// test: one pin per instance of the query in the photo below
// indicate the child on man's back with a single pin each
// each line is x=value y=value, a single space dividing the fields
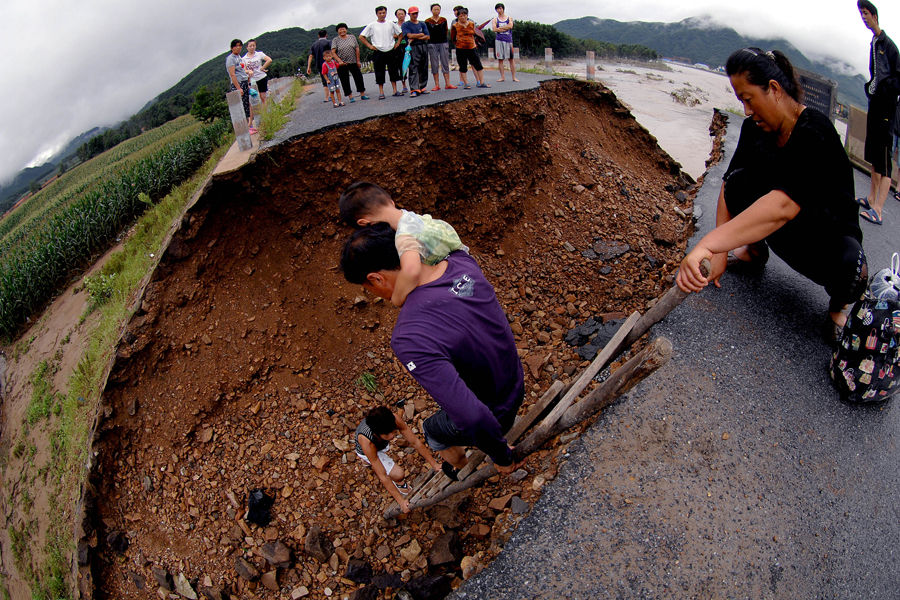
x=419 y=239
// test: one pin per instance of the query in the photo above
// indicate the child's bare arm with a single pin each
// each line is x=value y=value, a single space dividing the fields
x=408 y=279
x=416 y=442
x=372 y=454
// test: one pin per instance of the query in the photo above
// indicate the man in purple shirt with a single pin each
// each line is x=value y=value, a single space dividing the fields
x=454 y=339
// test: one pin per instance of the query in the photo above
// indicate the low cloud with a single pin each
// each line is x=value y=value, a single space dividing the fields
x=77 y=66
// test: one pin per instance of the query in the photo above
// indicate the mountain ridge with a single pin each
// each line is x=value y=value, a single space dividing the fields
x=701 y=40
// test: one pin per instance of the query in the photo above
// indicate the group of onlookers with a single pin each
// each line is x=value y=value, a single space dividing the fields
x=246 y=70
x=404 y=48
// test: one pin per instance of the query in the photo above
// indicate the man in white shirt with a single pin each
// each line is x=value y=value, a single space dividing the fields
x=382 y=37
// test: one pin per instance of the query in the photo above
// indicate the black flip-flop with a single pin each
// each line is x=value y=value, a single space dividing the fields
x=871 y=216
x=864 y=202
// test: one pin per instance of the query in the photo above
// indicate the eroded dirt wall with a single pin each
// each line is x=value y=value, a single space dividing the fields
x=238 y=371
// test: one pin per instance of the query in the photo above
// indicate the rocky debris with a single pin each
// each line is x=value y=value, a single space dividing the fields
x=276 y=554
x=500 y=502
x=213 y=593
x=668 y=230
x=445 y=550
x=369 y=592
x=592 y=335
x=411 y=552
x=610 y=249
x=470 y=566
x=318 y=545
x=83 y=553
x=270 y=580
x=184 y=588
x=358 y=571
x=434 y=587
x=518 y=506
x=299 y=592
x=139 y=581
x=259 y=505
x=518 y=475
x=245 y=569
x=163 y=578
x=117 y=541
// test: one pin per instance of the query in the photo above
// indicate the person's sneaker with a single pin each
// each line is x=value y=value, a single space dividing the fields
x=352 y=99
x=403 y=488
x=364 y=97
x=253 y=131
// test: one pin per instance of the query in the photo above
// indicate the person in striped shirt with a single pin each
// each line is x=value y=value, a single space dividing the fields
x=373 y=436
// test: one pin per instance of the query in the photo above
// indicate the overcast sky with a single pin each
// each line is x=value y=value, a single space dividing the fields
x=76 y=65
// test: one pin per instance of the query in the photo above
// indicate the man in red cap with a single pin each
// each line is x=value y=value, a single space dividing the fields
x=417 y=33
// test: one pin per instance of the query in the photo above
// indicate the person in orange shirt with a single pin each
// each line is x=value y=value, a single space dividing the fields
x=463 y=34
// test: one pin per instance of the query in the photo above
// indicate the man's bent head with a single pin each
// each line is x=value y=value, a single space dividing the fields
x=367 y=254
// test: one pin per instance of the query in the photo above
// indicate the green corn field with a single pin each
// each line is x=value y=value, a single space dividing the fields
x=39 y=256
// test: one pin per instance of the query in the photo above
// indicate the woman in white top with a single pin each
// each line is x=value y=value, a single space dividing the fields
x=255 y=64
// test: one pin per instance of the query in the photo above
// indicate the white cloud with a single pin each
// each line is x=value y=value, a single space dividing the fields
x=76 y=66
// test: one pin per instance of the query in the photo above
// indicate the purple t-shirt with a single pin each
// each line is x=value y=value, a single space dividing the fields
x=455 y=340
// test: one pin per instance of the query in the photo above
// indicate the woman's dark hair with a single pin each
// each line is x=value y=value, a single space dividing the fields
x=761 y=67
x=339 y=25
x=381 y=420
x=236 y=42
x=369 y=250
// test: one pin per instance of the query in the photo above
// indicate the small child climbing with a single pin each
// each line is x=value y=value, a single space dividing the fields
x=419 y=238
x=373 y=435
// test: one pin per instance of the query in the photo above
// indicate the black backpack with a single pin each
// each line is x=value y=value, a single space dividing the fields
x=866 y=365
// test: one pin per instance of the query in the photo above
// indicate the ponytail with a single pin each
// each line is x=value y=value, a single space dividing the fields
x=760 y=67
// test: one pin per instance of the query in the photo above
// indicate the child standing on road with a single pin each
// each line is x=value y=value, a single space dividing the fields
x=329 y=71
x=419 y=238
x=373 y=435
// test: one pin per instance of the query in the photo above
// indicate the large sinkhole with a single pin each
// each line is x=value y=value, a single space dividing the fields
x=241 y=367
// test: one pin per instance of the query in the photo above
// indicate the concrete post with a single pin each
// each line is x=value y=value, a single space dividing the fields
x=516 y=53
x=591 y=70
x=490 y=54
x=548 y=59
x=239 y=120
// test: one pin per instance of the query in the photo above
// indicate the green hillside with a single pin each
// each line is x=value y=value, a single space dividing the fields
x=698 y=42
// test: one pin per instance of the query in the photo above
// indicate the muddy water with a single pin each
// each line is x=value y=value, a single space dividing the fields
x=681 y=128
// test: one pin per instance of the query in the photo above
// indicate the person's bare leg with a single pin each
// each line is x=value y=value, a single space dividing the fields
x=397 y=473
x=262 y=97
x=512 y=69
x=447 y=79
x=463 y=79
x=437 y=80
x=500 y=68
x=882 y=188
x=455 y=455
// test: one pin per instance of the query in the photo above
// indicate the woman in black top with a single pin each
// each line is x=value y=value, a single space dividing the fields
x=789 y=187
